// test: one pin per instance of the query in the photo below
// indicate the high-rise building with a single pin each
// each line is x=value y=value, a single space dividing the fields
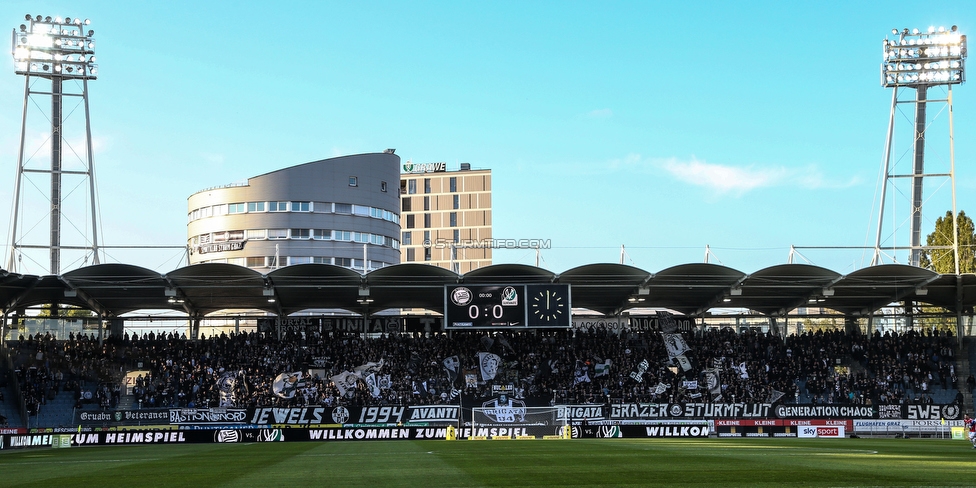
x=445 y=216
x=343 y=211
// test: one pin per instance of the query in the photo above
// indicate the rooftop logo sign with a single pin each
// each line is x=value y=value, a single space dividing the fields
x=410 y=167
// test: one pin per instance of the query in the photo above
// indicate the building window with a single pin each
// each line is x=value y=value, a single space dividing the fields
x=426 y=254
x=457 y=235
x=453 y=183
x=256 y=262
x=427 y=236
x=299 y=260
x=383 y=186
x=343 y=208
x=353 y=181
x=301 y=206
x=277 y=233
x=236 y=208
x=322 y=234
x=410 y=221
x=300 y=234
x=255 y=206
x=411 y=187
x=457 y=202
x=406 y=237
x=411 y=254
x=426 y=185
x=405 y=204
x=257 y=234
x=426 y=204
x=344 y=262
x=426 y=220
x=321 y=260
x=278 y=206
x=453 y=219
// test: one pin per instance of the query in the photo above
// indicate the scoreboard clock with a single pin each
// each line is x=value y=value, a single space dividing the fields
x=548 y=306
x=484 y=306
x=504 y=306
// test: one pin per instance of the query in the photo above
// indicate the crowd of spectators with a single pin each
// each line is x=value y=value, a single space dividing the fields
x=557 y=366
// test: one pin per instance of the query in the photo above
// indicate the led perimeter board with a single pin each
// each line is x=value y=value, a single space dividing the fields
x=507 y=306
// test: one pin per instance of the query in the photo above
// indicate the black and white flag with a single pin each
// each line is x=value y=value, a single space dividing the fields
x=373 y=384
x=225 y=388
x=774 y=395
x=366 y=369
x=667 y=323
x=675 y=344
x=638 y=375
x=452 y=366
x=286 y=384
x=684 y=362
x=581 y=375
x=489 y=364
x=714 y=384
x=345 y=382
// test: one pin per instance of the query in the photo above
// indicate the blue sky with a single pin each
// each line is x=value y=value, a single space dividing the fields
x=746 y=127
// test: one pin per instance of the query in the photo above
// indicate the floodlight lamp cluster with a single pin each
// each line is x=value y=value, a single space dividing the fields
x=54 y=47
x=914 y=58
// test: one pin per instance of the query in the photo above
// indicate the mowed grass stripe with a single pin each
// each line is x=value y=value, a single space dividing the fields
x=594 y=462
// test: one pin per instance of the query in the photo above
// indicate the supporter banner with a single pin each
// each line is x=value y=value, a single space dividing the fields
x=428 y=414
x=375 y=325
x=653 y=323
x=327 y=324
x=824 y=411
x=581 y=413
x=689 y=410
x=207 y=416
x=790 y=415
x=145 y=416
x=613 y=324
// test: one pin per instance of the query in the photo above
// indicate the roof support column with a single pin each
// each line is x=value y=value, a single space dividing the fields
x=850 y=325
x=194 y=327
x=960 y=326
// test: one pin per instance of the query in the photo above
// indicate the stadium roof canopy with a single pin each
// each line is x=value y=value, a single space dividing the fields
x=690 y=289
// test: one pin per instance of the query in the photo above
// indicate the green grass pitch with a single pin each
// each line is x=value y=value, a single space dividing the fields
x=592 y=462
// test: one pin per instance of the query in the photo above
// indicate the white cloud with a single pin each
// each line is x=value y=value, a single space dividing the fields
x=213 y=158
x=742 y=179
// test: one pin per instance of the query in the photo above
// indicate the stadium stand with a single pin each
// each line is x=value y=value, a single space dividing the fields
x=57 y=377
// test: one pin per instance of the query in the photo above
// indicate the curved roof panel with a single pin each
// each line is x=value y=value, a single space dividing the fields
x=691 y=289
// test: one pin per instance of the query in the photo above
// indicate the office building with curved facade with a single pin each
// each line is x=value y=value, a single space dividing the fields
x=343 y=211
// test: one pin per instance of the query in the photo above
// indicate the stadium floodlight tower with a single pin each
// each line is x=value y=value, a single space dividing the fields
x=920 y=61
x=63 y=52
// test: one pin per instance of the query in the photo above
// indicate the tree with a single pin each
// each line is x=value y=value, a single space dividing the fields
x=64 y=312
x=942 y=260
